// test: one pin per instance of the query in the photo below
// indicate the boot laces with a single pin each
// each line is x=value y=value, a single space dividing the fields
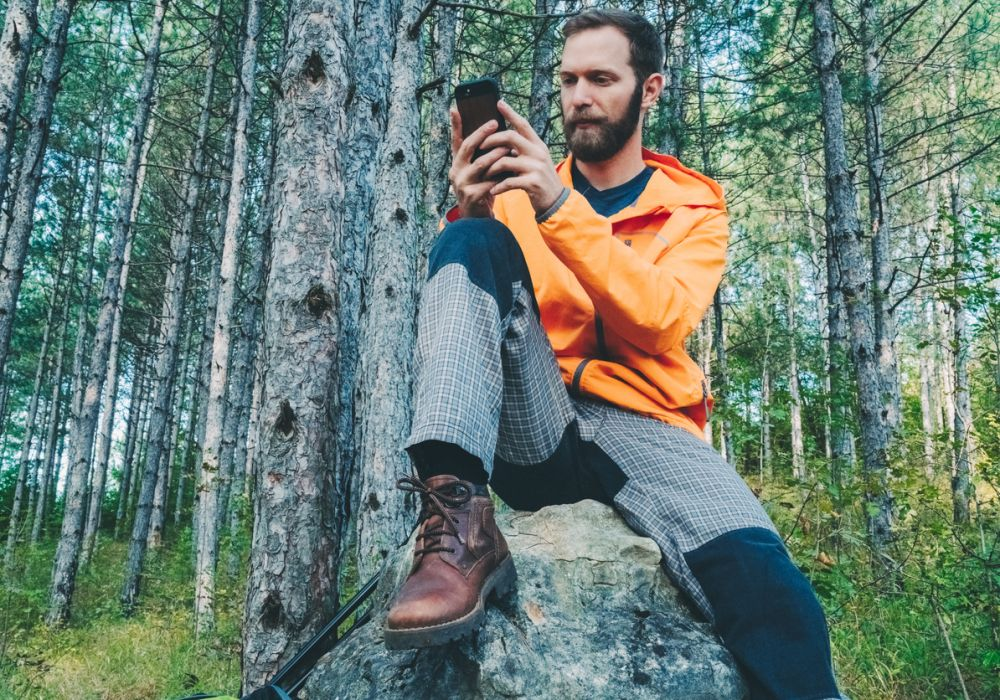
x=436 y=502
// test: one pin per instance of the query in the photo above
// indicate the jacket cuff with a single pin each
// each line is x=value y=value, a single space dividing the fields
x=555 y=206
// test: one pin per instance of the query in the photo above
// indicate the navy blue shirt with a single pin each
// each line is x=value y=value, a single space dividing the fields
x=614 y=199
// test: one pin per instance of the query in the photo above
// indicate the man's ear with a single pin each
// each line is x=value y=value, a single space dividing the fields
x=651 y=90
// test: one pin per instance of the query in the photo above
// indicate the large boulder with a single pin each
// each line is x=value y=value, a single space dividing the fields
x=593 y=616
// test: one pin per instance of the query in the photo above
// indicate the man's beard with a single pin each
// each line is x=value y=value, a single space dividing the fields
x=605 y=137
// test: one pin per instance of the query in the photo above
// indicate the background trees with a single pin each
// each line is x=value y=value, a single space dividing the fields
x=853 y=346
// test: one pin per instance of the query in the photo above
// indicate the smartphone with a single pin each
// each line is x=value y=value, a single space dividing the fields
x=477 y=104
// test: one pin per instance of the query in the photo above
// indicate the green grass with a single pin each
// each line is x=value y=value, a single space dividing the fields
x=100 y=654
x=887 y=644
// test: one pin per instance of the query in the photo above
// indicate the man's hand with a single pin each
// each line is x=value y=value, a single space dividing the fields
x=529 y=164
x=468 y=177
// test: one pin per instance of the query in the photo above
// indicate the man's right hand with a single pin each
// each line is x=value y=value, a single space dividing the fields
x=472 y=192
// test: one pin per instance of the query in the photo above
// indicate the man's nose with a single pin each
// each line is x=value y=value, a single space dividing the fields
x=581 y=95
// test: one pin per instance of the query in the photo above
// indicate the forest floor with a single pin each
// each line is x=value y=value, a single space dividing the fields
x=886 y=646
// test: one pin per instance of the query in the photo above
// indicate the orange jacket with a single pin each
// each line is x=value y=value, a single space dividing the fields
x=619 y=295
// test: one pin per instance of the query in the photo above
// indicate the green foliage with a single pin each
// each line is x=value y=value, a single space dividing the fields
x=102 y=655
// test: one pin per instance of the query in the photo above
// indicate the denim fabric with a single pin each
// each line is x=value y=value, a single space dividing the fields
x=767 y=615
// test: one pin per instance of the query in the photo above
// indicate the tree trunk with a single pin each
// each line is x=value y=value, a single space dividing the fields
x=881 y=223
x=137 y=395
x=369 y=69
x=722 y=375
x=961 y=486
x=68 y=552
x=543 y=55
x=675 y=44
x=15 y=52
x=292 y=586
x=245 y=383
x=388 y=331
x=214 y=275
x=930 y=410
x=45 y=466
x=16 y=243
x=104 y=432
x=820 y=283
x=855 y=282
x=13 y=525
x=175 y=283
x=795 y=409
x=438 y=158
x=209 y=517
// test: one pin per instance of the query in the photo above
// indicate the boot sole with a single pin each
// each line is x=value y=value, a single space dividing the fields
x=499 y=583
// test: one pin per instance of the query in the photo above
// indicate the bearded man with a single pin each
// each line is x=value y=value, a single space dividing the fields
x=551 y=365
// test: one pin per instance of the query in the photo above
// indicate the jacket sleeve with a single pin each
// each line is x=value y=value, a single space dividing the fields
x=653 y=305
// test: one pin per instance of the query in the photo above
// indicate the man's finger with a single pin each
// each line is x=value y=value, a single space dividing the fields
x=511 y=183
x=481 y=164
x=510 y=139
x=507 y=164
x=456 y=130
x=470 y=144
x=517 y=122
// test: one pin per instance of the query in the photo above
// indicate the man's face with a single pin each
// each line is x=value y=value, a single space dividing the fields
x=601 y=98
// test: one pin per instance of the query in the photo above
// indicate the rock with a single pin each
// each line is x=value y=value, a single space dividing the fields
x=593 y=616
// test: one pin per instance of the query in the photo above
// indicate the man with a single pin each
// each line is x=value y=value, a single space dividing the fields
x=550 y=363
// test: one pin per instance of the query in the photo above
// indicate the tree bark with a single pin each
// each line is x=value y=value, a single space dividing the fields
x=855 y=284
x=15 y=52
x=209 y=518
x=795 y=409
x=543 y=55
x=137 y=396
x=388 y=330
x=438 y=158
x=82 y=443
x=292 y=585
x=16 y=242
x=13 y=525
x=820 y=282
x=880 y=220
x=245 y=383
x=675 y=44
x=961 y=486
x=45 y=466
x=104 y=432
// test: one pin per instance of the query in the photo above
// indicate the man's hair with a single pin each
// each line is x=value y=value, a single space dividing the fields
x=645 y=44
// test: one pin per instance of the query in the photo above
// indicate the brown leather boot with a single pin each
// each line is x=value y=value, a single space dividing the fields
x=460 y=558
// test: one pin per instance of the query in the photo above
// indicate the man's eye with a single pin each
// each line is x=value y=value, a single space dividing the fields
x=602 y=80
x=568 y=81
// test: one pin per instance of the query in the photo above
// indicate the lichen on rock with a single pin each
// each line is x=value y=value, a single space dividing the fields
x=593 y=616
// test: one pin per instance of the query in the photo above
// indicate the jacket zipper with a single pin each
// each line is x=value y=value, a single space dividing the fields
x=602 y=348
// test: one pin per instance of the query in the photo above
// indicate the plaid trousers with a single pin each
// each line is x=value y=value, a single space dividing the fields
x=487 y=380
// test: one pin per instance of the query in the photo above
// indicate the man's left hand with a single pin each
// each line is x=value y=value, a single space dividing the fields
x=530 y=167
